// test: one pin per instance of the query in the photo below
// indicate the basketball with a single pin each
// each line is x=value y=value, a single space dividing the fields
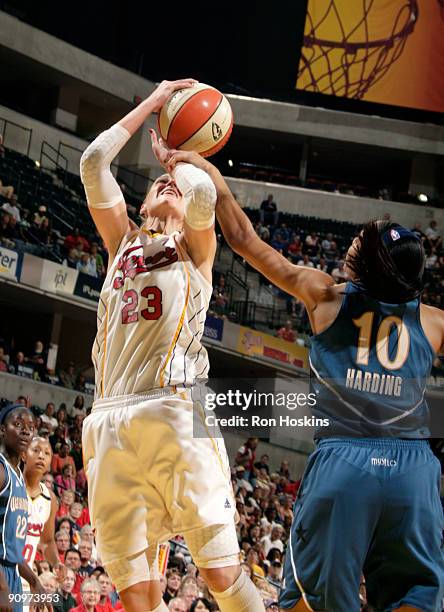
x=198 y=118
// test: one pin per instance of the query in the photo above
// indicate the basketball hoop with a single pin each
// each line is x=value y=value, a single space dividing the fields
x=350 y=65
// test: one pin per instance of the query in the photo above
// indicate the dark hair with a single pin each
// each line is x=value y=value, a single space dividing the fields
x=79 y=400
x=71 y=529
x=390 y=270
x=205 y=602
x=72 y=550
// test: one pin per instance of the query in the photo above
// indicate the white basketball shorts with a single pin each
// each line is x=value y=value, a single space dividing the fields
x=148 y=477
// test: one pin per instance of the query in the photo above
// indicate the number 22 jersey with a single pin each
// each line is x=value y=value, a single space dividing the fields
x=150 y=318
x=13 y=515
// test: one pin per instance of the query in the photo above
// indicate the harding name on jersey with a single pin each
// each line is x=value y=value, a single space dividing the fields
x=372 y=382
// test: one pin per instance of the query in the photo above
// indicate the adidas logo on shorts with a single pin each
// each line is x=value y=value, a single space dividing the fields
x=227 y=504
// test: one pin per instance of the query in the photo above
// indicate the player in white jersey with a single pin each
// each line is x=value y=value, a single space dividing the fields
x=148 y=478
x=42 y=507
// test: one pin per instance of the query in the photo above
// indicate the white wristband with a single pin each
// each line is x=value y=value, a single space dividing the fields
x=199 y=195
x=102 y=189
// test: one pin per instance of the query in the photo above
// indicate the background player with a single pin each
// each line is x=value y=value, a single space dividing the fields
x=16 y=429
x=361 y=500
x=42 y=507
x=146 y=353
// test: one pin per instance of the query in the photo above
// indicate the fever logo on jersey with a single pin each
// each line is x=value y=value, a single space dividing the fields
x=131 y=265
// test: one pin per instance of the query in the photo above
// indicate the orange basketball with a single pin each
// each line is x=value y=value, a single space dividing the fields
x=198 y=118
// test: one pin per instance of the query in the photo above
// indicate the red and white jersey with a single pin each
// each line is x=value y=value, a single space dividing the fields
x=39 y=513
x=150 y=318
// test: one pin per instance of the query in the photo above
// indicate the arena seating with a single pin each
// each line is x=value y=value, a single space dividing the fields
x=62 y=194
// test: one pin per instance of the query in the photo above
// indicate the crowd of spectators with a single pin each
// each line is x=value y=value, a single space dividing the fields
x=264 y=500
x=34 y=365
x=326 y=252
x=21 y=228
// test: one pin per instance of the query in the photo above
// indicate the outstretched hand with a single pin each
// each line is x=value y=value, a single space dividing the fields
x=187 y=157
x=160 y=149
x=163 y=91
x=169 y=158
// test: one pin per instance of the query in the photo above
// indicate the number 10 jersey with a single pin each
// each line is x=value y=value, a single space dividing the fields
x=369 y=369
x=150 y=318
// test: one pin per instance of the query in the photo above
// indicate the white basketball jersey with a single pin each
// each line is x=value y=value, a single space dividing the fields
x=150 y=318
x=39 y=513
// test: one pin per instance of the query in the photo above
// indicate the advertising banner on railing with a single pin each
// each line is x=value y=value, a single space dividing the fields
x=10 y=263
x=48 y=275
x=88 y=287
x=214 y=328
x=258 y=344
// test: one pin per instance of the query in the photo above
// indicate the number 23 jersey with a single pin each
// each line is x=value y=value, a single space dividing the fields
x=150 y=318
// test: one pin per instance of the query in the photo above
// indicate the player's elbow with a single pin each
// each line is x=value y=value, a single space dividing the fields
x=90 y=163
x=239 y=239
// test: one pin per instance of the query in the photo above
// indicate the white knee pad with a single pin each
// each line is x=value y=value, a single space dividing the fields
x=214 y=546
x=137 y=568
x=242 y=596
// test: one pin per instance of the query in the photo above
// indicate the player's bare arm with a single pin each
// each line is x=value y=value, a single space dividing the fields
x=432 y=321
x=105 y=199
x=34 y=583
x=47 y=540
x=309 y=285
x=200 y=196
x=4 y=594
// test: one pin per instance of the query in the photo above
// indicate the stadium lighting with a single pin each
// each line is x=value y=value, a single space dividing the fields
x=422 y=197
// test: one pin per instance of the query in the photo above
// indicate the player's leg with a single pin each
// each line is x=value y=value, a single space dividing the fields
x=137 y=581
x=335 y=516
x=405 y=565
x=116 y=488
x=201 y=506
x=215 y=551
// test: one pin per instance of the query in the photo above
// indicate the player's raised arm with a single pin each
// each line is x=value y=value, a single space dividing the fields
x=200 y=196
x=307 y=284
x=105 y=199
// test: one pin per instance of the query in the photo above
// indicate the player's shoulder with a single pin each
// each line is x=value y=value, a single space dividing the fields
x=431 y=310
x=4 y=477
x=432 y=314
x=432 y=321
x=45 y=492
x=126 y=241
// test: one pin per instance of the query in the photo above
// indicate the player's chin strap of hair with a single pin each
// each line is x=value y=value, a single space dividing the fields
x=199 y=194
x=102 y=189
x=395 y=233
x=7 y=410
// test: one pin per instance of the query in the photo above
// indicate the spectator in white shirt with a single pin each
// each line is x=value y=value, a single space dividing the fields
x=77 y=408
x=273 y=540
x=340 y=273
x=305 y=261
x=47 y=417
x=322 y=265
x=12 y=208
x=433 y=235
x=87 y=265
